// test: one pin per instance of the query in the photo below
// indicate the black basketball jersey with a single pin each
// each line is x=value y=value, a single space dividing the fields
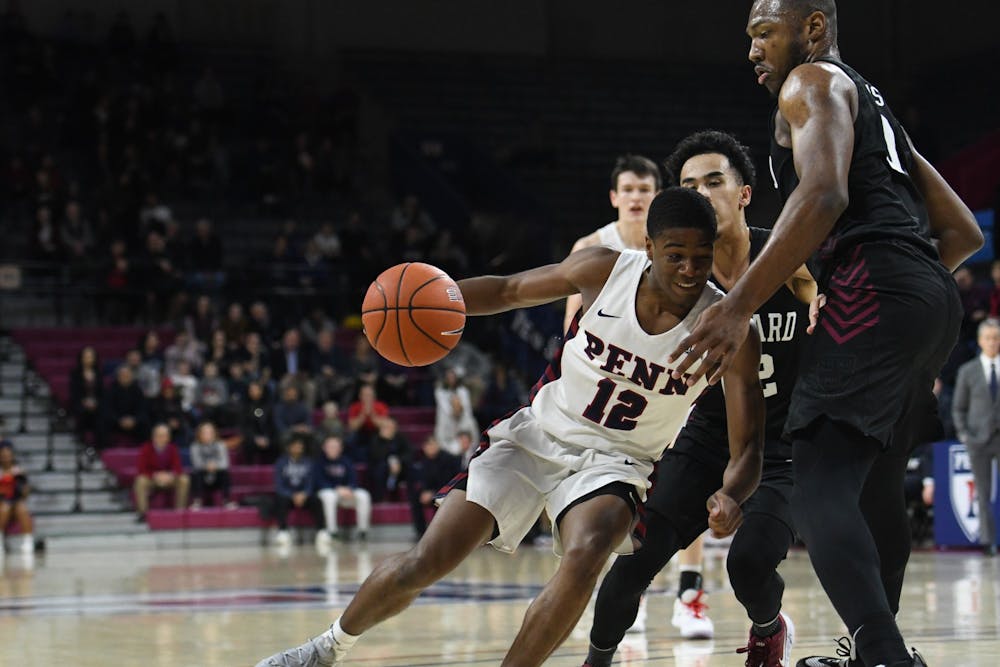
x=781 y=322
x=884 y=204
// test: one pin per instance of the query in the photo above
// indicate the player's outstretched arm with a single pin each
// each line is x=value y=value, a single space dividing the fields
x=581 y=272
x=952 y=223
x=819 y=106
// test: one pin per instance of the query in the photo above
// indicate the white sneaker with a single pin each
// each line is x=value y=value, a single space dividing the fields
x=323 y=541
x=689 y=615
x=640 y=618
x=323 y=651
x=28 y=544
x=283 y=539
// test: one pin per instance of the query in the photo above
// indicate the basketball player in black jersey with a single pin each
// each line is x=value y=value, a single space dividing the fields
x=858 y=196
x=720 y=168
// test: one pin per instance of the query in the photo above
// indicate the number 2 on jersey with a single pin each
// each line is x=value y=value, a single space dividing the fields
x=623 y=414
x=766 y=371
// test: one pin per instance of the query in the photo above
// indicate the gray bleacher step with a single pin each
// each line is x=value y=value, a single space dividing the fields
x=38 y=442
x=36 y=462
x=65 y=482
x=35 y=423
x=90 y=501
x=81 y=525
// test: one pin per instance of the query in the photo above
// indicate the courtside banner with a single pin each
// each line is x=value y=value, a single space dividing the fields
x=956 y=510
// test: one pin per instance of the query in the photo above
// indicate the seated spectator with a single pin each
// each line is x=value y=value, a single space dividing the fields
x=295 y=486
x=186 y=385
x=184 y=348
x=338 y=487
x=466 y=447
x=147 y=374
x=166 y=409
x=505 y=392
x=364 y=417
x=202 y=321
x=363 y=365
x=235 y=325
x=257 y=428
x=453 y=411
x=290 y=365
x=330 y=423
x=254 y=357
x=159 y=468
x=431 y=473
x=333 y=383
x=291 y=414
x=205 y=257
x=315 y=323
x=218 y=348
x=211 y=394
x=390 y=460
x=262 y=324
x=209 y=468
x=86 y=388
x=126 y=411
x=14 y=490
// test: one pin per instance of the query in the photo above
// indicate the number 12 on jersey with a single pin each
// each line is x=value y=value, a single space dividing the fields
x=623 y=413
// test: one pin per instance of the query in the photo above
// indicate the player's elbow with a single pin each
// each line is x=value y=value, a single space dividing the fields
x=832 y=202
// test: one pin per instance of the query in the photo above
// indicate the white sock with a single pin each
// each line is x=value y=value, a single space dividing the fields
x=341 y=636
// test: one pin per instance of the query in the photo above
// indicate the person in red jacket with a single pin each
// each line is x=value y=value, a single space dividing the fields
x=159 y=468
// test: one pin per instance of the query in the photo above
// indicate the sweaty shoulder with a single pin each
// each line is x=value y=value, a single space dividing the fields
x=812 y=84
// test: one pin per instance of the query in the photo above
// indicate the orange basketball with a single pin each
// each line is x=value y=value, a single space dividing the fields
x=413 y=314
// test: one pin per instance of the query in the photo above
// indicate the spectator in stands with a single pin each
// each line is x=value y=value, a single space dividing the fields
x=76 y=234
x=330 y=422
x=390 y=460
x=505 y=392
x=236 y=384
x=432 y=472
x=356 y=236
x=205 y=257
x=338 y=487
x=291 y=414
x=363 y=365
x=466 y=447
x=447 y=255
x=314 y=324
x=209 y=468
x=410 y=214
x=257 y=427
x=290 y=367
x=159 y=469
x=327 y=242
x=364 y=417
x=995 y=292
x=161 y=278
x=473 y=366
x=151 y=367
x=218 y=348
x=166 y=409
x=154 y=215
x=254 y=357
x=263 y=324
x=86 y=388
x=333 y=383
x=184 y=348
x=235 y=325
x=186 y=384
x=202 y=321
x=119 y=304
x=295 y=487
x=47 y=248
x=211 y=394
x=453 y=411
x=126 y=410
x=975 y=303
x=14 y=490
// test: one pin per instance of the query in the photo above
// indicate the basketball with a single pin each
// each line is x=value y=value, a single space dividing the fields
x=413 y=314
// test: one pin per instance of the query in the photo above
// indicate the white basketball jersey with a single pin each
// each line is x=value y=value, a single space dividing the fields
x=609 y=237
x=614 y=391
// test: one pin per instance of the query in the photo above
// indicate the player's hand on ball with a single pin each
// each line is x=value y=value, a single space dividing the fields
x=724 y=514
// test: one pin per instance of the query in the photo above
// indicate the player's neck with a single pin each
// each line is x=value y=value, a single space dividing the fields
x=824 y=49
x=633 y=233
x=732 y=254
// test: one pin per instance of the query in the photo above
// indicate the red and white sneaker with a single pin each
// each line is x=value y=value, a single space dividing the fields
x=689 y=615
x=773 y=651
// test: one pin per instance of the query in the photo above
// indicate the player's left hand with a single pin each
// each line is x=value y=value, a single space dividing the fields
x=717 y=335
x=814 y=307
x=724 y=514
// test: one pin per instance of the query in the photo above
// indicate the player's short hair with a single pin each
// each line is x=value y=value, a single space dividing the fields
x=681 y=208
x=803 y=8
x=711 y=141
x=988 y=323
x=639 y=165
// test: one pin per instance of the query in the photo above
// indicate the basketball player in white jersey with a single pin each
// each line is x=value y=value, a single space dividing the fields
x=635 y=180
x=584 y=447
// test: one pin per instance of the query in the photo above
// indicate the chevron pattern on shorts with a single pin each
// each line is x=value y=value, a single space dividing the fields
x=852 y=304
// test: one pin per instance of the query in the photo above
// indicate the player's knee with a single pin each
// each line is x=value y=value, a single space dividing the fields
x=747 y=563
x=588 y=552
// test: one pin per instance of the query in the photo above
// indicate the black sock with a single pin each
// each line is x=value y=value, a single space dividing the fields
x=600 y=657
x=767 y=629
x=690 y=580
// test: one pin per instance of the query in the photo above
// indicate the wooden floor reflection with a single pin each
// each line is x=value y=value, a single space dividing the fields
x=215 y=607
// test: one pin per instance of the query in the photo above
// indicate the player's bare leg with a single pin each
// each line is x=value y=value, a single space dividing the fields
x=589 y=533
x=458 y=528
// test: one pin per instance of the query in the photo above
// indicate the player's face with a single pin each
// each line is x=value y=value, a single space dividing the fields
x=682 y=262
x=633 y=196
x=777 y=43
x=989 y=341
x=712 y=176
